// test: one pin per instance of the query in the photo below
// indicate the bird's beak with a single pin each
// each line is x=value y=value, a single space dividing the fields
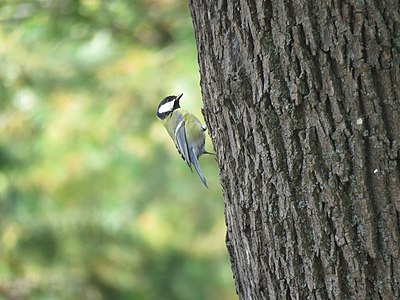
x=178 y=97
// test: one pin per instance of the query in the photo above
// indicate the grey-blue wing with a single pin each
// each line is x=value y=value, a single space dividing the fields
x=195 y=162
x=181 y=141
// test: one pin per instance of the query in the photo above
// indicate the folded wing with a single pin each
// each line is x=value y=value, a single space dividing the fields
x=181 y=141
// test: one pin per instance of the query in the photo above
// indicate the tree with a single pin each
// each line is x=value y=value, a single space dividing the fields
x=302 y=102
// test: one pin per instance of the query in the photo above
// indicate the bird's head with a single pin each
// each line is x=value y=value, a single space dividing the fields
x=167 y=106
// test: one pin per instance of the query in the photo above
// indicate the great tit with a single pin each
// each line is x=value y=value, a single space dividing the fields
x=186 y=131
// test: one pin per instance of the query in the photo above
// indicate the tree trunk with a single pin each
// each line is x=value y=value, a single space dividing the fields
x=301 y=99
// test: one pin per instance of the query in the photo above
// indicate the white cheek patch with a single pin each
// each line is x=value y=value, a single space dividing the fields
x=166 y=107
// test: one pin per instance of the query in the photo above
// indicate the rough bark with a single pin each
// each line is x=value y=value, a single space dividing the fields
x=302 y=102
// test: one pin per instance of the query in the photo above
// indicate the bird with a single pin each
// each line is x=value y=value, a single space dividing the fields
x=186 y=131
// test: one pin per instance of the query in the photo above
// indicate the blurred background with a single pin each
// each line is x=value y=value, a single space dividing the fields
x=95 y=202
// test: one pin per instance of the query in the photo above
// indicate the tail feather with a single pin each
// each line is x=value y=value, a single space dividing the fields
x=195 y=161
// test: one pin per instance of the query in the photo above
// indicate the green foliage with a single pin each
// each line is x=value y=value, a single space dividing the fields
x=95 y=203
